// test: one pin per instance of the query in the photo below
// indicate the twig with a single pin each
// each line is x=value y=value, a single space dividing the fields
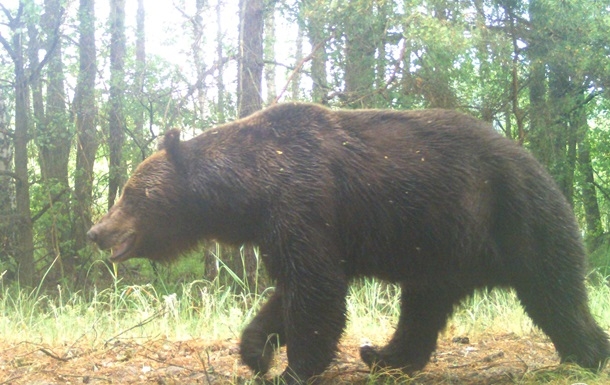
x=205 y=368
x=11 y=379
x=86 y=379
x=139 y=324
x=601 y=189
x=48 y=205
x=81 y=337
x=55 y=356
x=397 y=64
x=300 y=65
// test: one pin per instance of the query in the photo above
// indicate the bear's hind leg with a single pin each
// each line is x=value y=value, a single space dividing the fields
x=260 y=338
x=423 y=314
x=561 y=310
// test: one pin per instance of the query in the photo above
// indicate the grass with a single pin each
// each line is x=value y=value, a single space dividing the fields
x=131 y=311
x=212 y=311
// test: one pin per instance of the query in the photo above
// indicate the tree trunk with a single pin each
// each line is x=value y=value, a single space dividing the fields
x=515 y=84
x=220 y=86
x=298 y=57
x=269 y=53
x=25 y=240
x=485 y=59
x=7 y=193
x=250 y=73
x=315 y=25
x=359 y=56
x=116 y=119
x=55 y=154
x=538 y=108
x=38 y=125
x=52 y=137
x=561 y=133
x=86 y=123
x=589 y=193
x=140 y=74
x=250 y=57
x=197 y=91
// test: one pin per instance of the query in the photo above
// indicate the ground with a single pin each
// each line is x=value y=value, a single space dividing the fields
x=485 y=359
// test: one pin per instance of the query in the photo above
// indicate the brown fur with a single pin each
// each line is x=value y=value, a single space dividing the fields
x=434 y=200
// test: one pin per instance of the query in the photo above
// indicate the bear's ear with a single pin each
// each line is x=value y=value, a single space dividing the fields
x=172 y=145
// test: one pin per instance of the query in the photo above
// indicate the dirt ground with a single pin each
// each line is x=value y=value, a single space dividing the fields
x=488 y=359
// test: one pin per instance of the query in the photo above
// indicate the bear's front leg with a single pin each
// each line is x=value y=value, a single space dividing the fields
x=260 y=338
x=314 y=314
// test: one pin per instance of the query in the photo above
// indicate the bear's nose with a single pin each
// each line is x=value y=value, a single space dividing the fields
x=92 y=235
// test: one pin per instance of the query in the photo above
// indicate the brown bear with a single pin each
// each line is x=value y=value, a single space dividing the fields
x=433 y=200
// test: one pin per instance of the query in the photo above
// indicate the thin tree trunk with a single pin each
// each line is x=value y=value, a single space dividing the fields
x=315 y=26
x=561 y=133
x=25 y=236
x=212 y=248
x=86 y=123
x=250 y=73
x=55 y=153
x=538 y=108
x=359 y=57
x=250 y=57
x=197 y=51
x=269 y=52
x=116 y=119
x=298 y=57
x=220 y=86
x=514 y=91
x=589 y=192
x=140 y=117
x=485 y=59
x=52 y=135
x=7 y=190
x=24 y=250
x=40 y=133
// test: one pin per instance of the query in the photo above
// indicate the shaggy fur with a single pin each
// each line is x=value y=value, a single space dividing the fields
x=433 y=200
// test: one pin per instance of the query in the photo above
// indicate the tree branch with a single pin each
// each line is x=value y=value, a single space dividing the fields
x=36 y=72
x=48 y=205
x=300 y=65
x=7 y=13
x=12 y=24
x=602 y=190
x=592 y=95
x=10 y=174
x=8 y=48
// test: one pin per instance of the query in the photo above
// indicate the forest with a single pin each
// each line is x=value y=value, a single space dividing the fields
x=87 y=87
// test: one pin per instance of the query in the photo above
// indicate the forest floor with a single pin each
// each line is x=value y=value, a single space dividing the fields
x=486 y=359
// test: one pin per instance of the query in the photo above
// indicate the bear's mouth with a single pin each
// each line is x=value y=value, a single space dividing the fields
x=121 y=251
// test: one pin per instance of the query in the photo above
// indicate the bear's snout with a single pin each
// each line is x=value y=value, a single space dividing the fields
x=99 y=235
x=92 y=234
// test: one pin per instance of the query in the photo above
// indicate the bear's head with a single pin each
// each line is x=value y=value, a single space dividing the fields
x=154 y=217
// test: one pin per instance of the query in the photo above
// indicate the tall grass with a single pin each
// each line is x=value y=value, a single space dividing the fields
x=374 y=308
x=199 y=309
x=213 y=311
